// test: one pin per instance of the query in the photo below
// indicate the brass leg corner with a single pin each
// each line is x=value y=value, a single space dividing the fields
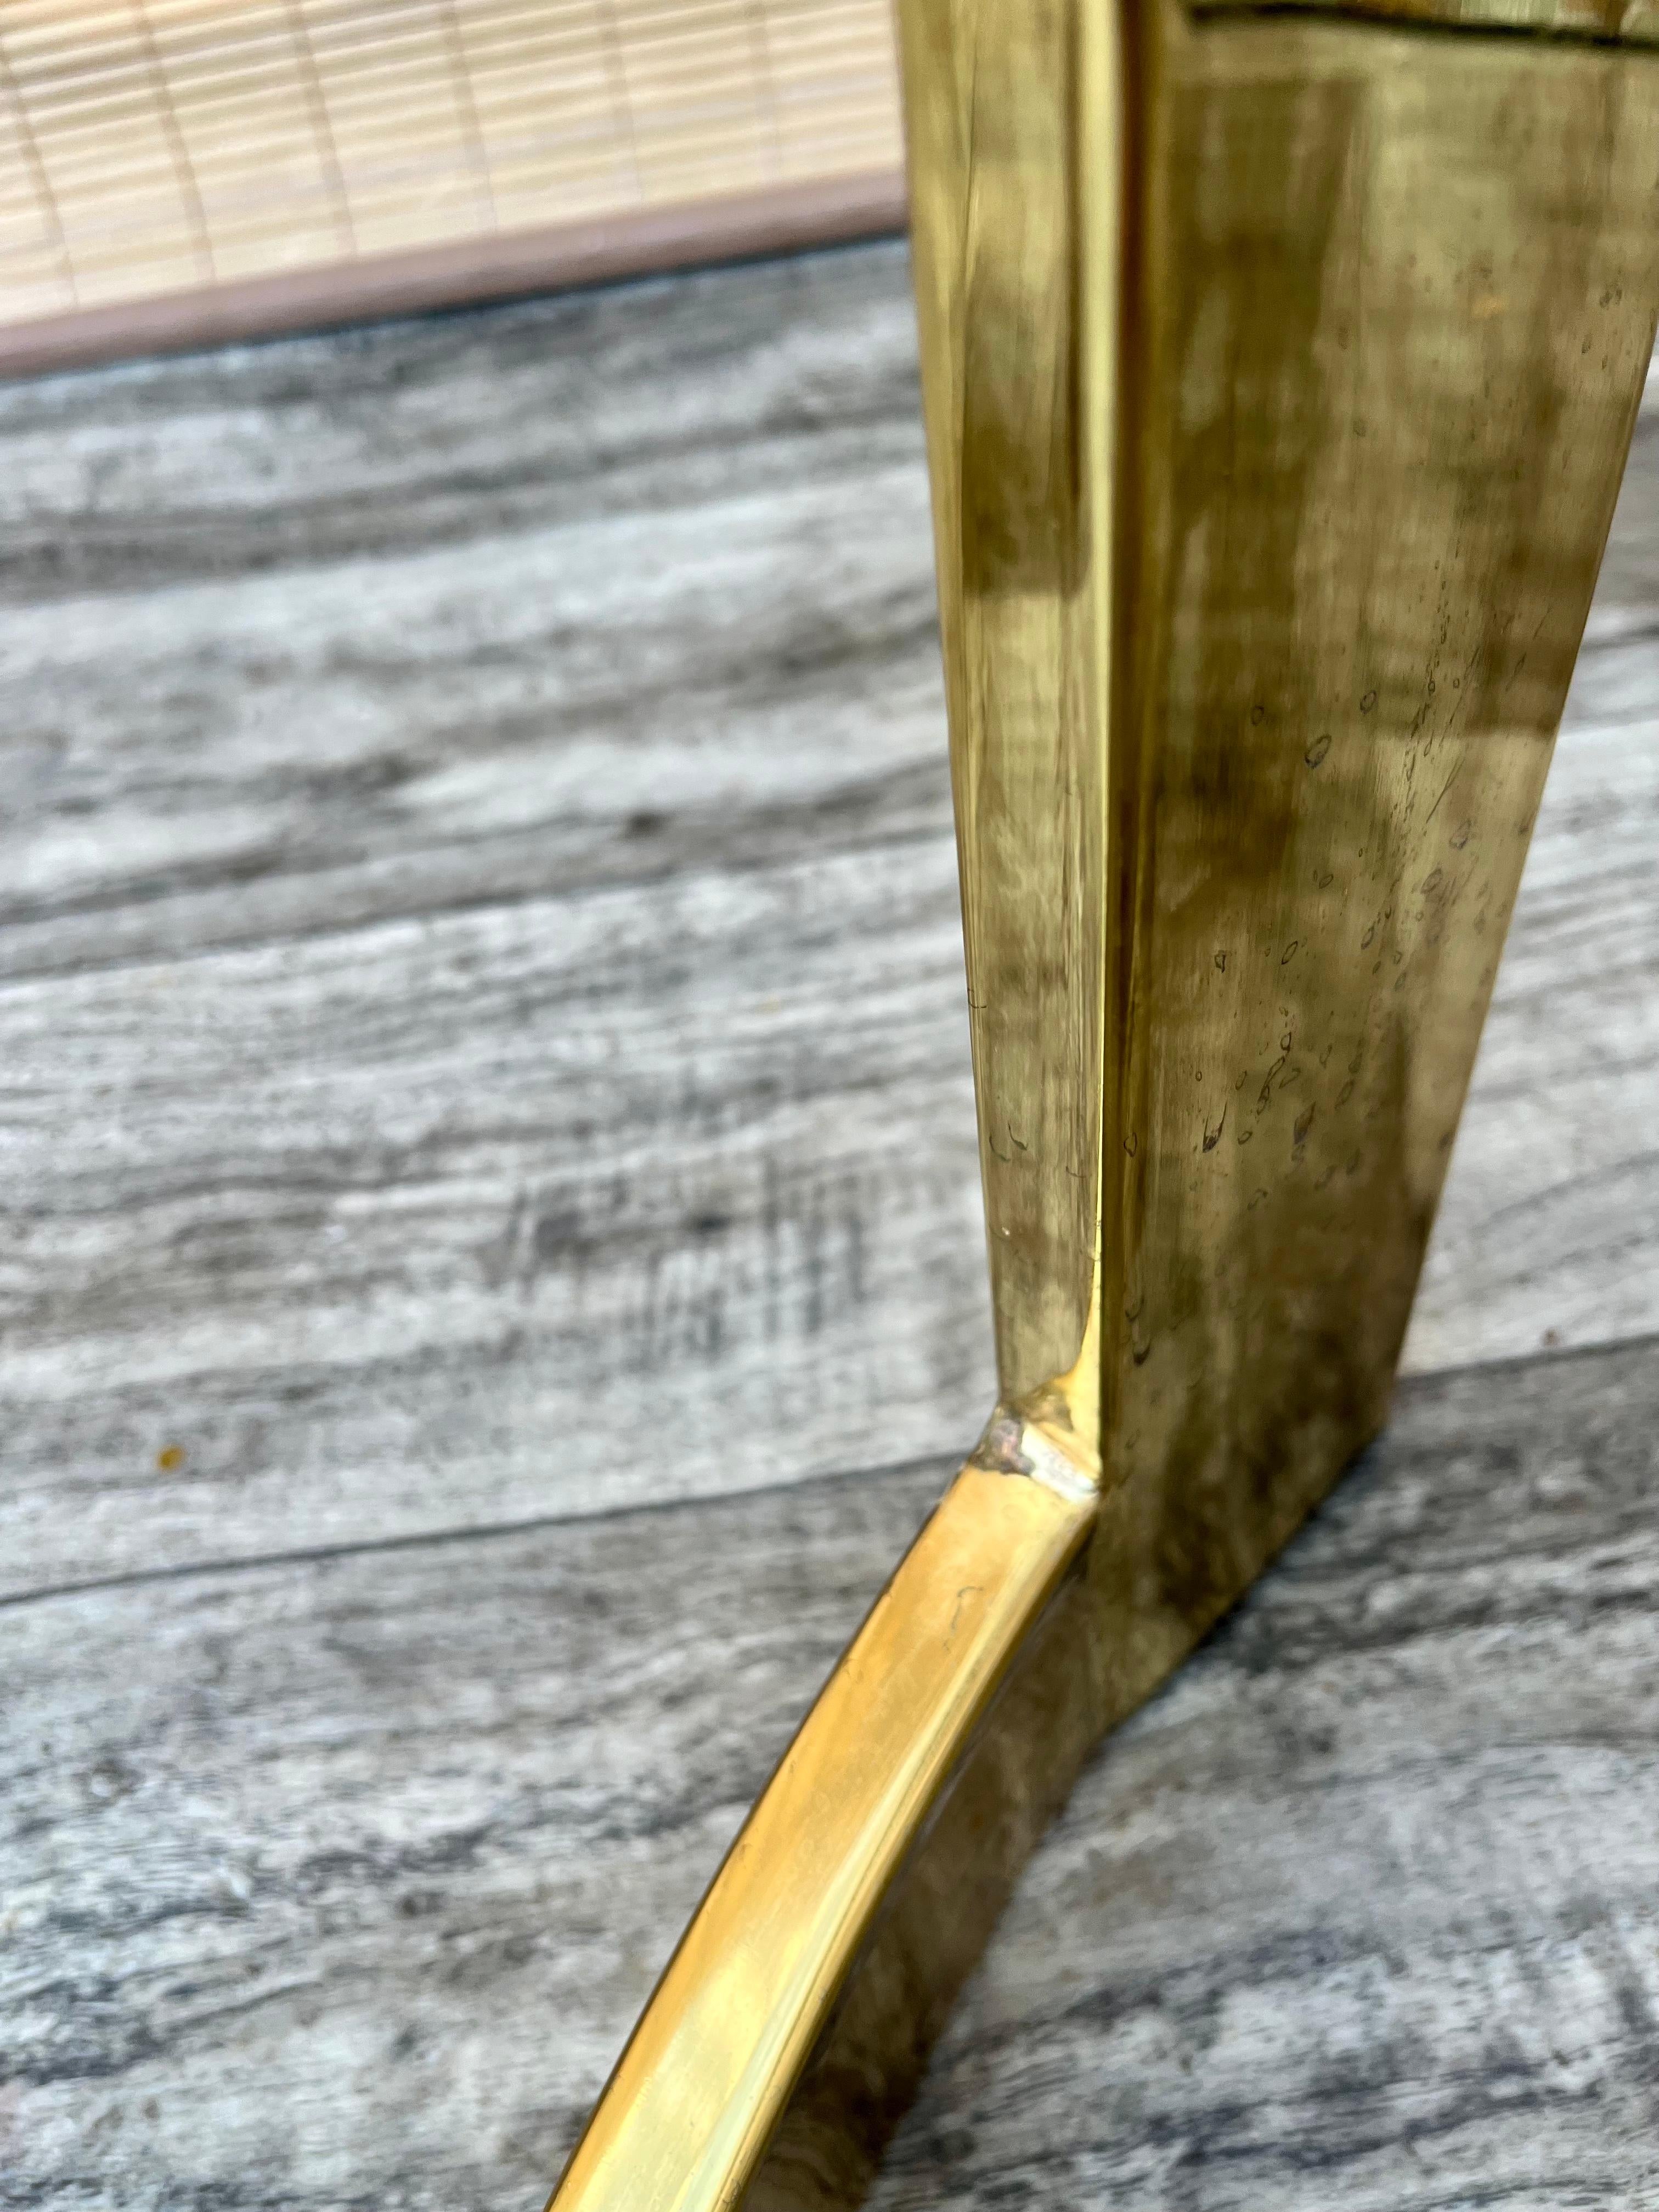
x=1278 y=372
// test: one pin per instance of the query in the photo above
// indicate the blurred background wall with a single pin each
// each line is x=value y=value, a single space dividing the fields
x=174 y=172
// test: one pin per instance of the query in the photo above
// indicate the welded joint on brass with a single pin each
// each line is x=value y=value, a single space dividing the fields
x=1012 y=1444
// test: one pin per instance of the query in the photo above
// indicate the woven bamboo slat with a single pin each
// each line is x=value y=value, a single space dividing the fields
x=171 y=170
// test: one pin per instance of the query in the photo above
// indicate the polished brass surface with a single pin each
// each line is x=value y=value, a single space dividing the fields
x=1260 y=589
x=704 y=2083
x=1278 y=373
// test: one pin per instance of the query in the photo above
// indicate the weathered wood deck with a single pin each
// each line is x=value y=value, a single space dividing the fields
x=491 y=1275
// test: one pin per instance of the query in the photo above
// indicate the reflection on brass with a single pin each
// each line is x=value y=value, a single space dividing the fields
x=1278 y=373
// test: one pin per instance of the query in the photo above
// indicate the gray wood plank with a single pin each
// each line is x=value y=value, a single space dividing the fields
x=480 y=1024
x=485 y=920
x=337 y=1883
x=312 y=634
x=479 y=941
x=370 y=1237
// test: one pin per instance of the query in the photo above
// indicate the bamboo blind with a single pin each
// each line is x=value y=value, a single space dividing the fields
x=154 y=148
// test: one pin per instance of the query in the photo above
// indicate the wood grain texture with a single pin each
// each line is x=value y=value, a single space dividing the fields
x=417 y=748
x=481 y=1008
x=338 y=1882
x=480 y=939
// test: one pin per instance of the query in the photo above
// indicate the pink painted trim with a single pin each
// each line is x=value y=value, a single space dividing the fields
x=741 y=226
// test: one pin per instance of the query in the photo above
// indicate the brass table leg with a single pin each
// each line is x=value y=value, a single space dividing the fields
x=1278 y=373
